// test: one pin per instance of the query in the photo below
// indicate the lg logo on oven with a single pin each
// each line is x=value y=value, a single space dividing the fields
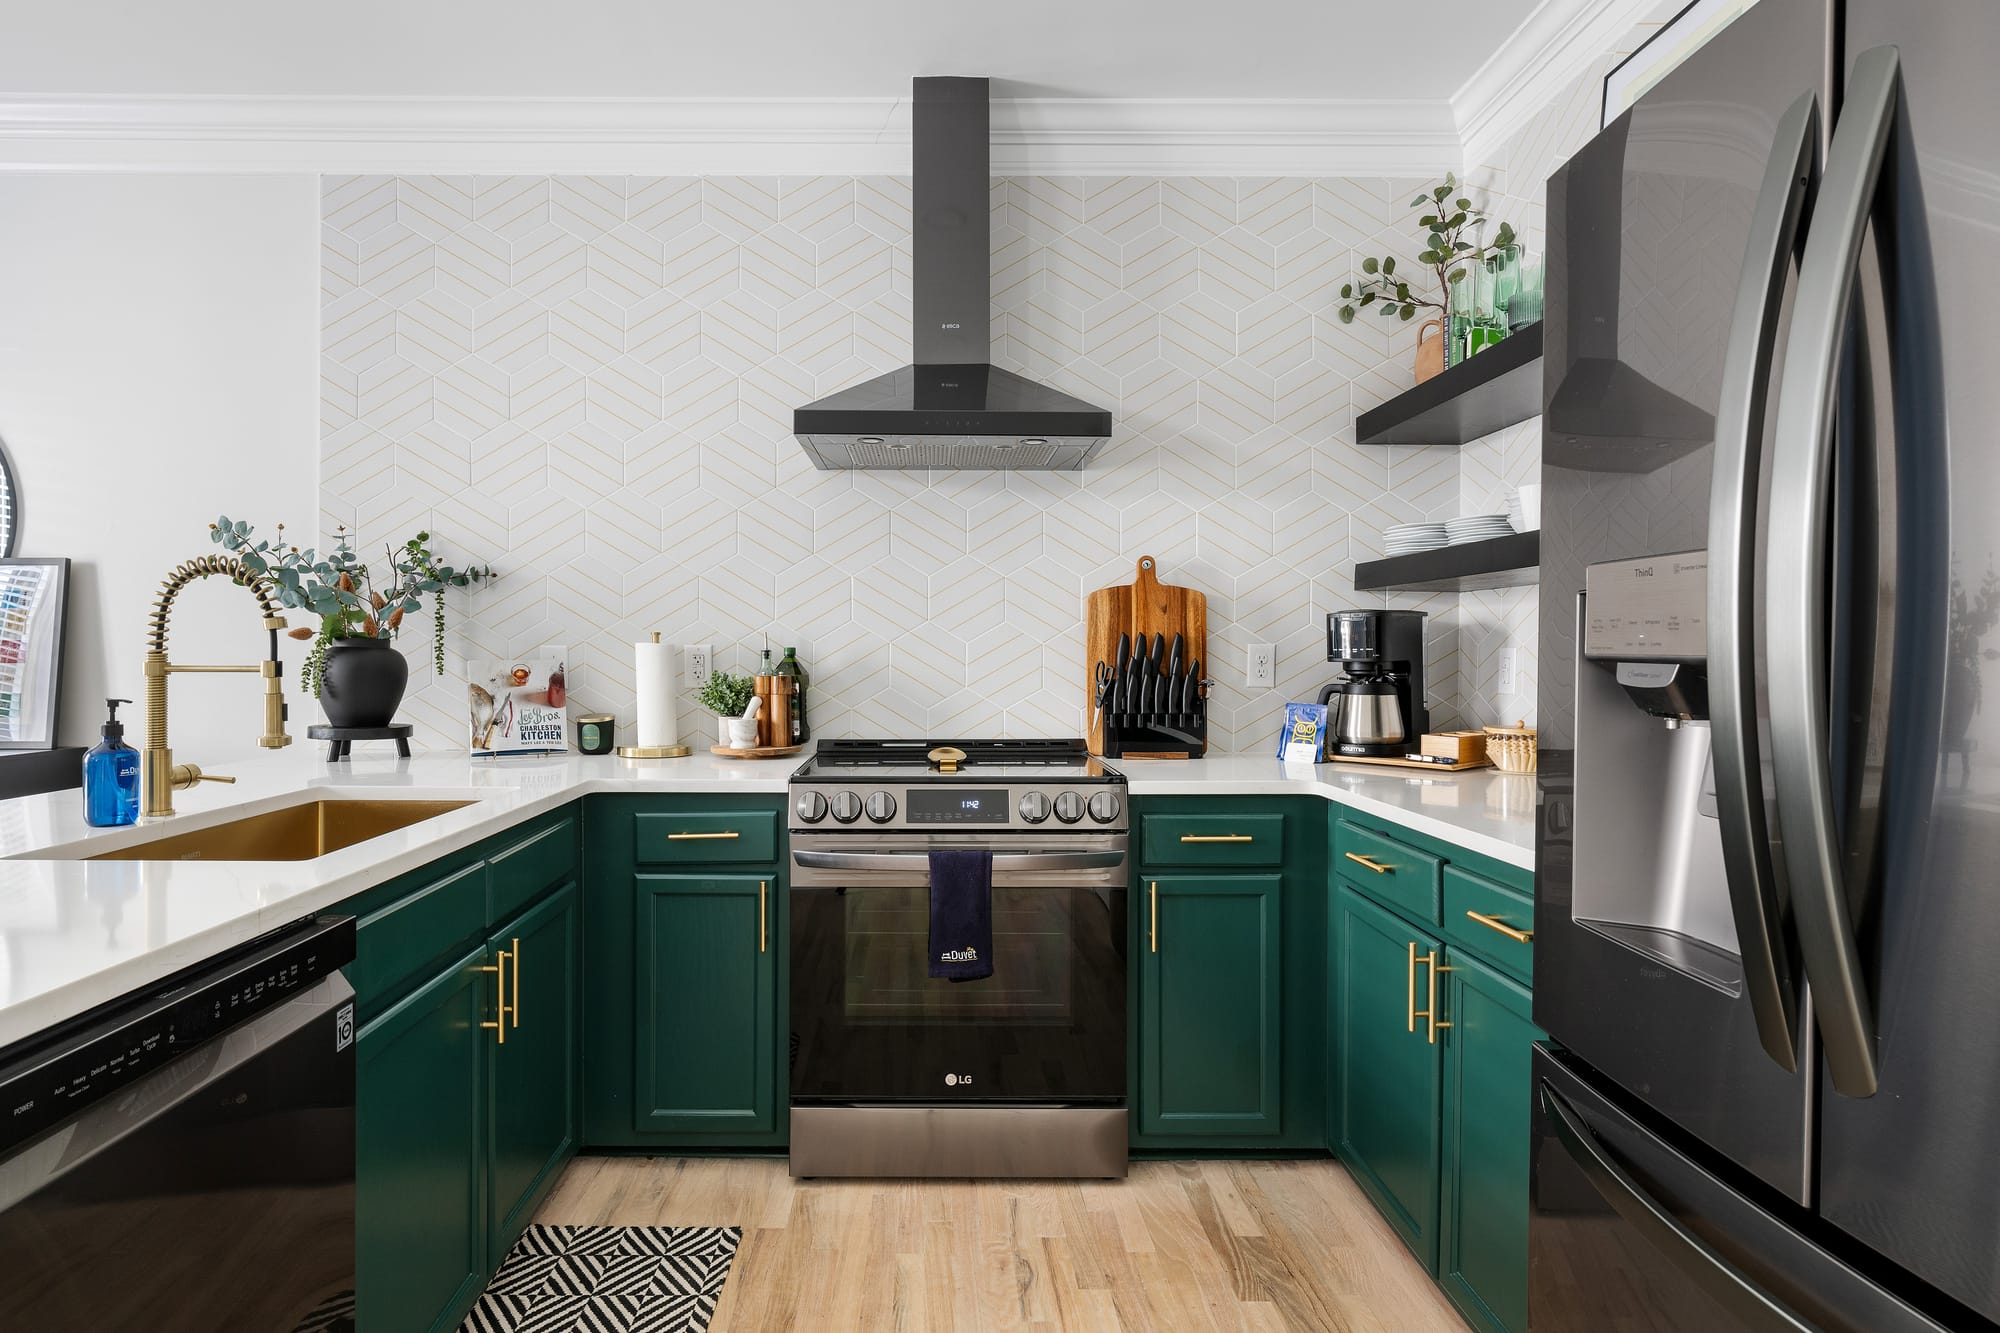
x=958 y=1080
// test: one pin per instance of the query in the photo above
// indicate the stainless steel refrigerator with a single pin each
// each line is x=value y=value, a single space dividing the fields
x=1770 y=787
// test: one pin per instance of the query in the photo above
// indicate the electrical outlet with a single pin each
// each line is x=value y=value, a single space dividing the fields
x=1260 y=671
x=701 y=662
x=1509 y=670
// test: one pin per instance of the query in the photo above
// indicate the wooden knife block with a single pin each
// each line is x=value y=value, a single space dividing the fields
x=1143 y=608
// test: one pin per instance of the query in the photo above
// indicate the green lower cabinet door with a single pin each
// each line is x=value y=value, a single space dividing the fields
x=1388 y=1071
x=1210 y=1042
x=707 y=998
x=534 y=1072
x=1483 y=1264
x=420 y=1158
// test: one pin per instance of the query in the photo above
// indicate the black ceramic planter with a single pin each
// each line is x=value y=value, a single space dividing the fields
x=362 y=683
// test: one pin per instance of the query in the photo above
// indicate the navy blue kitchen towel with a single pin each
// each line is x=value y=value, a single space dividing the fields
x=961 y=915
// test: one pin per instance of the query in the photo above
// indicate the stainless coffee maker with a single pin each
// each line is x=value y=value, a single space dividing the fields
x=1377 y=709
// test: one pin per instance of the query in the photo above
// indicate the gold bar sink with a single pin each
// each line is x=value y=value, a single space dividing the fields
x=293 y=833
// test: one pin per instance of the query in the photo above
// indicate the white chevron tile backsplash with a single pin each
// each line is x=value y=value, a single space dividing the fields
x=588 y=382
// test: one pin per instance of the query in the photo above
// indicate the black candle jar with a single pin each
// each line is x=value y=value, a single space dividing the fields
x=596 y=733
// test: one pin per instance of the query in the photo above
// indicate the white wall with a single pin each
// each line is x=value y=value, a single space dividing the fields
x=157 y=353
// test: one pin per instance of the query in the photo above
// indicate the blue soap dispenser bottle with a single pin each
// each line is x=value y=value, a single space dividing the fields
x=111 y=776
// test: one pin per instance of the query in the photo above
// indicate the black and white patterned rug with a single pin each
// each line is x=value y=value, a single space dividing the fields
x=607 y=1280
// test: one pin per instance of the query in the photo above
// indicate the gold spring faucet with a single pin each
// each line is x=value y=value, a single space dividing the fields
x=161 y=777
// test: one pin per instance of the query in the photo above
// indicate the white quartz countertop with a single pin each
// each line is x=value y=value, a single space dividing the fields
x=1484 y=811
x=74 y=934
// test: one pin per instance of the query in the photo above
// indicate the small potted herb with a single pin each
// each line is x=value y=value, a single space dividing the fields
x=353 y=669
x=726 y=696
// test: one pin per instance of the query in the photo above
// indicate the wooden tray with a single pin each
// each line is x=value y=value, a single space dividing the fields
x=1145 y=607
x=755 y=751
x=1390 y=762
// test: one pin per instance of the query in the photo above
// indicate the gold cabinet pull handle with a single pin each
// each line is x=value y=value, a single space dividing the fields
x=729 y=836
x=1430 y=1013
x=762 y=886
x=1371 y=863
x=1217 y=837
x=498 y=1023
x=1156 y=915
x=517 y=981
x=1495 y=923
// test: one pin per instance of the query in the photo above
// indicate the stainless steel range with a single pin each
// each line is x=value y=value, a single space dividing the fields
x=896 y=1073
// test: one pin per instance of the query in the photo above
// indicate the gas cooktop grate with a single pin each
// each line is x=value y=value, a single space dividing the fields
x=893 y=753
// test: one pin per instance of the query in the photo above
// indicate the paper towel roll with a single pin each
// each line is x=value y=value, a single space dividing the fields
x=658 y=722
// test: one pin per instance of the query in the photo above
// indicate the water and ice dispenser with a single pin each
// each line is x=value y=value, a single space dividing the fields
x=1648 y=847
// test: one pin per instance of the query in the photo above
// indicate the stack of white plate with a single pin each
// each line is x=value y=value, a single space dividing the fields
x=1515 y=518
x=1404 y=538
x=1476 y=528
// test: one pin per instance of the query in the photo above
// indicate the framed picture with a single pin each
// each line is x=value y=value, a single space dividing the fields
x=1677 y=39
x=34 y=608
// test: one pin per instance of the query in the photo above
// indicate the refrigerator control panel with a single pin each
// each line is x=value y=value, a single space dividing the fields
x=1650 y=610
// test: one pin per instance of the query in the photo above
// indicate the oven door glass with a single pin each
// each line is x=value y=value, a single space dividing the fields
x=870 y=1025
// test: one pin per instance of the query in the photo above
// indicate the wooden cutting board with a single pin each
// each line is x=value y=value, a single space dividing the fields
x=1146 y=607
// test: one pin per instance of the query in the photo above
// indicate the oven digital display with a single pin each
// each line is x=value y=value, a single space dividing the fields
x=956 y=805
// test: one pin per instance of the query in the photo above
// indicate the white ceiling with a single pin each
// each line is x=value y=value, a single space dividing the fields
x=1372 y=49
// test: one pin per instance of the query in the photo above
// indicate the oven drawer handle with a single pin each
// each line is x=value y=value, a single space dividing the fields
x=919 y=860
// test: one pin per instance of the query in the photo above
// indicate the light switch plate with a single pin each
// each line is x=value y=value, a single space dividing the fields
x=701 y=662
x=1260 y=670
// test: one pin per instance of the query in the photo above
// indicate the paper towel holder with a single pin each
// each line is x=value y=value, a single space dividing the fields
x=655 y=751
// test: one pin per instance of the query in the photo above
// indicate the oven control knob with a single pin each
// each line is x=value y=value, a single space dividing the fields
x=1104 y=807
x=1035 y=807
x=1069 y=807
x=881 y=807
x=811 y=807
x=846 y=807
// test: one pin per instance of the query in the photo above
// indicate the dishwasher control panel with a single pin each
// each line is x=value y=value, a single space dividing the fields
x=54 y=1077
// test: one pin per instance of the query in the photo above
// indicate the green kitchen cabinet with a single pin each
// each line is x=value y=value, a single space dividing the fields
x=466 y=1067
x=1483 y=1256
x=1210 y=971
x=1227 y=1033
x=535 y=1070
x=420 y=1154
x=1388 y=1076
x=708 y=1021
x=684 y=978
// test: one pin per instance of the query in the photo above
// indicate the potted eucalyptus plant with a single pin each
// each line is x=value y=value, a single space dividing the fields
x=1446 y=221
x=353 y=669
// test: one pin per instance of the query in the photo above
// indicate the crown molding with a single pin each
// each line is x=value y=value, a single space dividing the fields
x=674 y=136
x=1559 y=42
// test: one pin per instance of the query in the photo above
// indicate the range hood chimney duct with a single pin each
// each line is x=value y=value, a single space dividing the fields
x=952 y=215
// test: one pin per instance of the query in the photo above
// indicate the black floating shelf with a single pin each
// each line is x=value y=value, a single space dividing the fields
x=1513 y=561
x=1497 y=388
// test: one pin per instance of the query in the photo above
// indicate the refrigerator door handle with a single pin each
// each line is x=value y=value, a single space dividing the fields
x=1796 y=600
x=1728 y=1285
x=1756 y=900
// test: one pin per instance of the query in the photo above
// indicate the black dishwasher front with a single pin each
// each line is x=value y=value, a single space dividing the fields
x=183 y=1159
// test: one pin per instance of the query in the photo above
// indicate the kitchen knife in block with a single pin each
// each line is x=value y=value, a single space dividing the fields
x=1142 y=609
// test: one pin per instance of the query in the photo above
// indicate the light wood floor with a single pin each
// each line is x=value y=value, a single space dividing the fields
x=1177 y=1246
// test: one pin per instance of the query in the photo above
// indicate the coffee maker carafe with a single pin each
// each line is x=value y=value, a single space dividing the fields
x=1377 y=708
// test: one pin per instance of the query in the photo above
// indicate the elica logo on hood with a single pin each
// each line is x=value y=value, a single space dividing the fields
x=966 y=955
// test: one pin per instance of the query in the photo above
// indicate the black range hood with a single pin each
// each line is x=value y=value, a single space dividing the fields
x=953 y=408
